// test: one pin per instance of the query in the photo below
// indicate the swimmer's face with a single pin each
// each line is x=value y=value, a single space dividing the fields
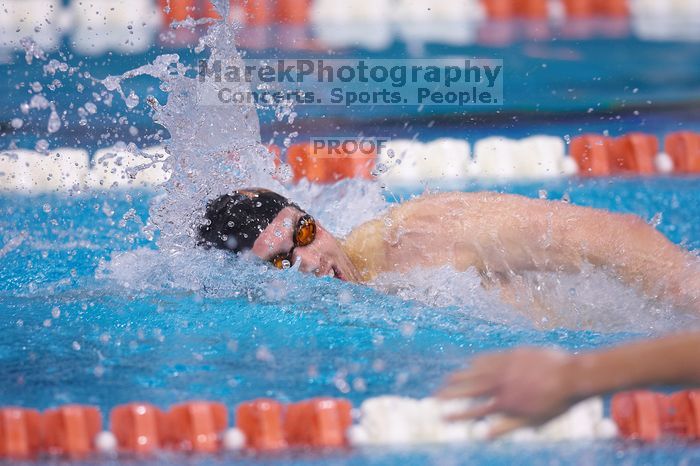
x=322 y=257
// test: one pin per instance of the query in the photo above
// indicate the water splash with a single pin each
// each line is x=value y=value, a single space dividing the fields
x=216 y=149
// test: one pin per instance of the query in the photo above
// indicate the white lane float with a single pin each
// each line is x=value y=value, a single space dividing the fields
x=61 y=170
x=438 y=21
x=361 y=23
x=391 y=420
x=494 y=157
x=399 y=162
x=15 y=171
x=125 y=167
x=540 y=157
x=266 y=426
x=409 y=162
x=663 y=163
x=105 y=25
x=535 y=157
x=42 y=20
x=445 y=159
x=666 y=20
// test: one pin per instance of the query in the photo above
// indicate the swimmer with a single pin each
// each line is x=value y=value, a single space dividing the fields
x=530 y=386
x=499 y=235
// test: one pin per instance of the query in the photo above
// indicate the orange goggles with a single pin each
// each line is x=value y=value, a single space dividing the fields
x=304 y=234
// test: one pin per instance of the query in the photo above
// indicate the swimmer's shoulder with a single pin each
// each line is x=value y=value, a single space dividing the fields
x=365 y=247
x=442 y=202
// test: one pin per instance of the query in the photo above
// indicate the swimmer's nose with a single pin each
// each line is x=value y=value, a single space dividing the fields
x=313 y=259
x=310 y=260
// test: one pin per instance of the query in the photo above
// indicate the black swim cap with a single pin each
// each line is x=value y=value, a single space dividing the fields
x=236 y=220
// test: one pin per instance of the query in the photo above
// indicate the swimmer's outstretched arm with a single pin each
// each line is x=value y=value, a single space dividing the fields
x=540 y=235
x=639 y=255
x=531 y=386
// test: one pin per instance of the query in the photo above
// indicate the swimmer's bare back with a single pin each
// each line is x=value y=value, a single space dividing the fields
x=502 y=235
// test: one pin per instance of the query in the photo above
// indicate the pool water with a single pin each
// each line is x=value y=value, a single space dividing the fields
x=134 y=332
x=91 y=311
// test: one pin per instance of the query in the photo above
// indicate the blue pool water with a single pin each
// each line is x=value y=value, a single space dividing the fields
x=559 y=86
x=90 y=313
x=72 y=336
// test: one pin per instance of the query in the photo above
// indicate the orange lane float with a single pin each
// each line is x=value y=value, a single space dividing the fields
x=197 y=426
x=579 y=8
x=639 y=414
x=328 y=166
x=20 y=433
x=257 y=12
x=635 y=153
x=267 y=425
x=177 y=10
x=292 y=12
x=261 y=422
x=499 y=9
x=532 y=9
x=303 y=165
x=208 y=10
x=684 y=149
x=70 y=430
x=590 y=8
x=138 y=427
x=592 y=154
x=508 y=9
x=319 y=422
x=276 y=151
x=649 y=416
x=613 y=8
x=686 y=409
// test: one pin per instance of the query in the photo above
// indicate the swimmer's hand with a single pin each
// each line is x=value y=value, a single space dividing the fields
x=526 y=387
x=531 y=386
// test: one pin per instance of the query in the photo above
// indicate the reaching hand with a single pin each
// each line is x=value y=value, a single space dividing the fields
x=526 y=386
